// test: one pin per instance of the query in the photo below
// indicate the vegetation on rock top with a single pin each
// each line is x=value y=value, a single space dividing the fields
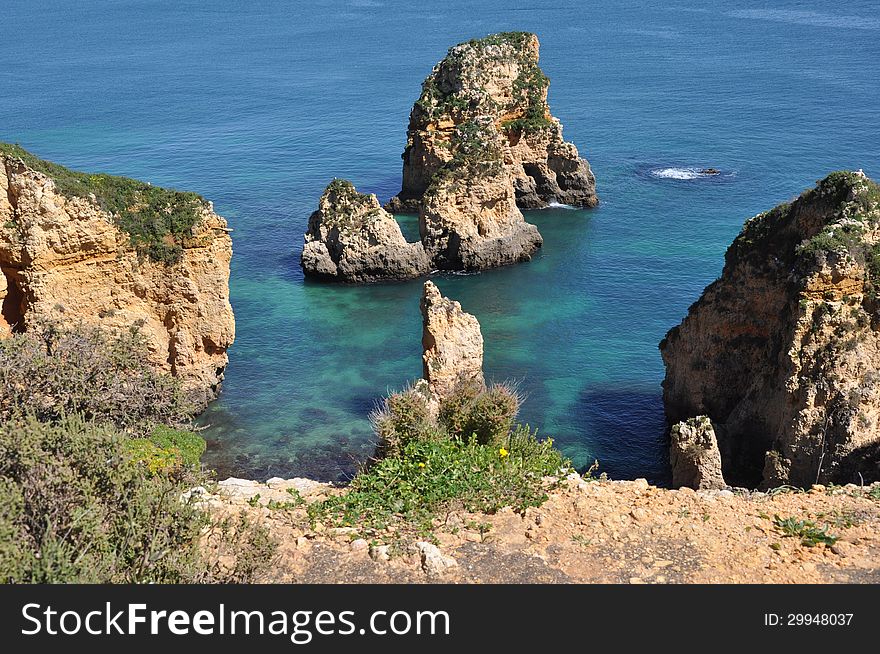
x=470 y=98
x=351 y=209
x=158 y=221
x=849 y=206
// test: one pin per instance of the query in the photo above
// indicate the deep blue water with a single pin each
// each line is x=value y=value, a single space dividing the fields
x=257 y=105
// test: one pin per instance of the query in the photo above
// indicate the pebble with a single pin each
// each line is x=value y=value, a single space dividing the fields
x=379 y=553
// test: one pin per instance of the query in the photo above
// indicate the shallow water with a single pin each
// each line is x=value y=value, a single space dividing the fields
x=258 y=105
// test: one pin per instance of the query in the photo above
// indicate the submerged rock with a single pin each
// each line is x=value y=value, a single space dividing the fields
x=694 y=455
x=495 y=78
x=452 y=343
x=782 y=352
x=113 y=252
x=351 y=238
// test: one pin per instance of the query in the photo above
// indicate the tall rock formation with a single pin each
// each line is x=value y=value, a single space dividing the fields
x=496 y=79
x=783 y=351
x=351 y=238
x=694 y=455
x=113 y=252
x=469 y=219
x=452 y=343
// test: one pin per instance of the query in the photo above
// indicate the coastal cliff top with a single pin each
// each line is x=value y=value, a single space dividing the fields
x=836 y=220
x=588 y=531
x=158 y=220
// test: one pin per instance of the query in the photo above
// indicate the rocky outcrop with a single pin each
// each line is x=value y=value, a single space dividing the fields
x=496 y=79
x=116 y=253
x=694 y=455
x=469 y=218
x=452 y=343
x=481 y=144
x=783 y=351
x=351 y=238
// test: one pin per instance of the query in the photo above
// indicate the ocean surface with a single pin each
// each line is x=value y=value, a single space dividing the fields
x=257 y=105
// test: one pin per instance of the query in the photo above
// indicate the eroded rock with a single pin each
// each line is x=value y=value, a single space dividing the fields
x=351 y=238
x=66 y=257
x=469 y=219
x=782 y=352
x=452 y=343
x=694 y=455
x=495 y=78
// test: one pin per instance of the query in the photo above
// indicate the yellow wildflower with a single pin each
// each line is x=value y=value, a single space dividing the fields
x=503 y=453
x=421 y=465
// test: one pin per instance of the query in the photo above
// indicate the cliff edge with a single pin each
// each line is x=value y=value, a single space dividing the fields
x=114 y=252
x=782 y=352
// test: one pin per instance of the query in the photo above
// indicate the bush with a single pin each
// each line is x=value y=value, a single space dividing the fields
x=402 y=417
x=487 y=415
x=51 y=371
x=75 y=507
x=167 y=450
x=428 y=478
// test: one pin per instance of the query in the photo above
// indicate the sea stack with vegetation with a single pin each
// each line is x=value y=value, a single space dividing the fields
x=782 y=352
x=351 y=238
x=98 y=250
x=495 y=80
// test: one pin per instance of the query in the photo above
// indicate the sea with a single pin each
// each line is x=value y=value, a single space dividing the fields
x=257 y=105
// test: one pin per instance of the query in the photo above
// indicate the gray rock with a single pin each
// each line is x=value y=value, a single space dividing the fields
x=434 y=562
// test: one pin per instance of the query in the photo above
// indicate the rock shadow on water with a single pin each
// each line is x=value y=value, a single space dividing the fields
x=628 y=433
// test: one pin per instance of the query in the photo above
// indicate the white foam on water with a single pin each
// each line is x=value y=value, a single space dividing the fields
x=678 y=173
x=559 y=205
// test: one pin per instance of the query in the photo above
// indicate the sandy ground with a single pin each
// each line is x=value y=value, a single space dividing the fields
x=587 y=532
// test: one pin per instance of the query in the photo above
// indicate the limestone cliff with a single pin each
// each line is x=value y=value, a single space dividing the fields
x=783 y=351
x=114 y=252
x=496 y=78
x=469 y=218
x=452 y=343
x=351 y=238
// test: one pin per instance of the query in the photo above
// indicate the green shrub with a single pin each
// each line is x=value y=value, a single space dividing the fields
x=486 y=414
x=428 y=478
x=52 y=371
x=401 y=418
x=167 y=450
x=807 y=531
x=75 y=507
x=157 y=220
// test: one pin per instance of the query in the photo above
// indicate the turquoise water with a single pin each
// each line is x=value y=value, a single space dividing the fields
x=258 y=105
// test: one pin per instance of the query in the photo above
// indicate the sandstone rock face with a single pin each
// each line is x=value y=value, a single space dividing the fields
x=498 y=79
x=783 y=351
x=351 y=238
x=469 y=218
x=65 y=258
x=452 y=343
x=694 y=455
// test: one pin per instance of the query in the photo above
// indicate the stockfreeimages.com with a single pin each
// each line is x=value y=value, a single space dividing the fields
x=300 y=626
